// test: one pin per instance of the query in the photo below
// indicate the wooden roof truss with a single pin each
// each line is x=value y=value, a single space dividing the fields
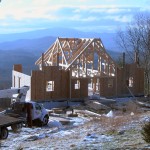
x=85 y=57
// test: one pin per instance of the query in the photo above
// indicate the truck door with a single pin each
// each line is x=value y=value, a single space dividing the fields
x=37 y=111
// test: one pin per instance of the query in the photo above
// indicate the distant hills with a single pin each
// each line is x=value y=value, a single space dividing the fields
x=26 y=48
x=33 y=45
x=38 y=35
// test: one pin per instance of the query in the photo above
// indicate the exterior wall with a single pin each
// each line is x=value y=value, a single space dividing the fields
x=123 y=77
x=122 y=82
x=61 y=80
x=108 y=86
x=19 y=79
x=82 y=92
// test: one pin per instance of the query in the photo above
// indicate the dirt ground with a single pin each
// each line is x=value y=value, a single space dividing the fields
x=120 y=132
x=117 y=130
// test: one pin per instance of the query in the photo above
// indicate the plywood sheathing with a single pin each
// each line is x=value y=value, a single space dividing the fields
x=37 y=85
x=106 y=89
x=123 y=75
x=61 y=80
x=65 y=84
x=82 y=92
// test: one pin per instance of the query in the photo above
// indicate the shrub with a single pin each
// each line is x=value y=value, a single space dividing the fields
x=146 y=132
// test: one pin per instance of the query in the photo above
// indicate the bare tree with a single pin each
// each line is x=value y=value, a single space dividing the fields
x=136 y=40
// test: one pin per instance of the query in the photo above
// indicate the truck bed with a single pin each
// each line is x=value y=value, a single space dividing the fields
x=6 y=120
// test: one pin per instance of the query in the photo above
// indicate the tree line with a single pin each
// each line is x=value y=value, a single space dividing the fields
x=135 y=40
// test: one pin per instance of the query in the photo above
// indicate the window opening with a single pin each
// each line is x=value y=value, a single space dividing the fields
x=50 y=86
x=77 y=85
x=130 y=81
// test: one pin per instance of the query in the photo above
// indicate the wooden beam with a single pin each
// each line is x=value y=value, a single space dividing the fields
x=62 y=52
x=76 y=56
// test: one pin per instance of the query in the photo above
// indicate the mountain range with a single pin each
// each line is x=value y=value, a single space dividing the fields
x=32 y=37
x=25 y=48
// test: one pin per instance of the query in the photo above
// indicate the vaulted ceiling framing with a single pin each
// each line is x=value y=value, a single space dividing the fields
x=86 y=57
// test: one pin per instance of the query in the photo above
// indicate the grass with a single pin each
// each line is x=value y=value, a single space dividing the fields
x=112 y=125
x=146 y=132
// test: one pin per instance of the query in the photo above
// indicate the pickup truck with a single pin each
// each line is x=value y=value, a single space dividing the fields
x=32 y=113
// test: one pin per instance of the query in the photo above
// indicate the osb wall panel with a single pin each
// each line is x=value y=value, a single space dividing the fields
x=105 y=89
x=50 y=73
x=65 y=84
x=38 y=87
x=56 y=75
x=84 y=87
x=75 y=93
x=94 y=84
x=83 y=91
x=40 y=84
x=48 y=76
x=33 y=85
x=123 y=74
x=120 y=81
x=138 y=78
x=141 y=81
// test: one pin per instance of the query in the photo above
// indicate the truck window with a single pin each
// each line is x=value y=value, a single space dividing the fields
x=37 y=107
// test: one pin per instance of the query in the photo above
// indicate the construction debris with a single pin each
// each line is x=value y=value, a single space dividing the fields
x=88 y=113
x=97 y=105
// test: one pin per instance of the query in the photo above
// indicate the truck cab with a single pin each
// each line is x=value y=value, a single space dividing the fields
x=39 y=112
x=32 y=111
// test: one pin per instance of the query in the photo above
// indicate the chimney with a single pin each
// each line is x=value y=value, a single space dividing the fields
x=17 y=67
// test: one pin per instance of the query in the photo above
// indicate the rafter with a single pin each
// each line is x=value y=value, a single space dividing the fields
x=85 y=57
x=62 y=52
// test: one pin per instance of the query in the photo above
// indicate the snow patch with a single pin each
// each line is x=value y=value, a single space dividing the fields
x=64 y=133
x=110 y=114
x=77 y=121
x=98 y=138
x=55 y=123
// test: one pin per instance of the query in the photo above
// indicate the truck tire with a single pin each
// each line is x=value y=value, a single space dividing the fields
x=45 y=120
x=16 y=127
x=4 y=133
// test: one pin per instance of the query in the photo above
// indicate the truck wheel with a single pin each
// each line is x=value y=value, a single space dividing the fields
x=16 y=127
x=45 y=120
x=4 y=133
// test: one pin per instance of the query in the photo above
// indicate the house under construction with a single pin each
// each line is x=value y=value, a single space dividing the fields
x=74 y=67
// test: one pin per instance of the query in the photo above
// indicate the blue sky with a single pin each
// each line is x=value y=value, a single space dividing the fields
x=86 y=15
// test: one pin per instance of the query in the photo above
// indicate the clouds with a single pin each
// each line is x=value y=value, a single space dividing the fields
x=84 y=14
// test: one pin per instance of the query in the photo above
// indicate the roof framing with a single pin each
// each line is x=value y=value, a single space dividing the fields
x=86 y=57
